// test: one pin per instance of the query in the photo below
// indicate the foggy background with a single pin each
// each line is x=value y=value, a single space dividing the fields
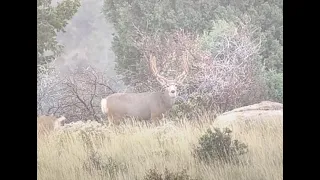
x=87 y=40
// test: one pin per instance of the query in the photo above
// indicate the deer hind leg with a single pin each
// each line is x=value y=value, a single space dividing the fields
x=113 y=119
x=110 y=119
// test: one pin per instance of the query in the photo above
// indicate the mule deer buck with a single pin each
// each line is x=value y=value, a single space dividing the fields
x=146 y=105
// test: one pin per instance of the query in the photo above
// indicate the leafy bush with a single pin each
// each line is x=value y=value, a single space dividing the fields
x=108 y=166
x=152 y=174
x=228 y=70
x=218 y=146
x=275 y=85
x=50 y=20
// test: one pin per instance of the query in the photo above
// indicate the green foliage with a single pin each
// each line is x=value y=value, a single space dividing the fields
x=232 y=70
x=51 y=20
x=108 y=166
x=268 y=15
x=218 y=146
x=136 y=20
x=275 y=85
x=152 y=174
x=211 y=41
x=150 y=16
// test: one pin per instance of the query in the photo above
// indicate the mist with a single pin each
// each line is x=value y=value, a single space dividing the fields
x=87 y=40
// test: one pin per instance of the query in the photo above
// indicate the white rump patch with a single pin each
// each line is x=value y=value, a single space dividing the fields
x=104 y=107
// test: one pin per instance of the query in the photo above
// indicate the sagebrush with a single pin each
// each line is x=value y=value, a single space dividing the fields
x=218 y=145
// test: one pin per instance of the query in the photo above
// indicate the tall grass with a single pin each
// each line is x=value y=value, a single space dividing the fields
x=130 y=151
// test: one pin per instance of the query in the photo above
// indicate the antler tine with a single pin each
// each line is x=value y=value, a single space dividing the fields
x=183 y=75
x=154 y=70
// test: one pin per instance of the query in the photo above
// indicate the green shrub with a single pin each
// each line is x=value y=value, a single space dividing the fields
x=218 y=146
x=107 y=165
x=153 y=174
x=275 y=86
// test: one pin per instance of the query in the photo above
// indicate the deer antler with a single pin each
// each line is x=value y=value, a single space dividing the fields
x=183 y=75
x=162 y=80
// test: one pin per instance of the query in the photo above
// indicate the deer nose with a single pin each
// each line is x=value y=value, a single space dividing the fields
x=172 y=91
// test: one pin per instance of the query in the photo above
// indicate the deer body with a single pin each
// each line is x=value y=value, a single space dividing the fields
x=146 y=105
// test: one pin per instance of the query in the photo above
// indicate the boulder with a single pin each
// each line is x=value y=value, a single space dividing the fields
x=260 y=113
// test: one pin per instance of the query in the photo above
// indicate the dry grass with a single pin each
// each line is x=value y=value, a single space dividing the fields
x=129 y=151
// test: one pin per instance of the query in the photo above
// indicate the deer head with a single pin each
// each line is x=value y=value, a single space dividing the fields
x=170 y=85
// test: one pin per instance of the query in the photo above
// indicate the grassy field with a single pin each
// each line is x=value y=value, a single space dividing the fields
x=129 y=151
